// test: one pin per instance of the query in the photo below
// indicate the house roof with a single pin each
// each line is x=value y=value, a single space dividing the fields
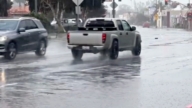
x=19 y=10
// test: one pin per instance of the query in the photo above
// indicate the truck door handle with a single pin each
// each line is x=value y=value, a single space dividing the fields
x=127 y=33
x=85 y=34
x=120 y=33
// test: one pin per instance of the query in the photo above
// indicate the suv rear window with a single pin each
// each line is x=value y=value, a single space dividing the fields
x=39 y=24
x=100 y=23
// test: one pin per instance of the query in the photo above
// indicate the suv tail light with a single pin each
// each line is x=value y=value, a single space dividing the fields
x=68 y=37
x=104 y=37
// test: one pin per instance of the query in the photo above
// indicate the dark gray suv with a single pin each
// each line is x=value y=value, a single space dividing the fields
x=21 y=35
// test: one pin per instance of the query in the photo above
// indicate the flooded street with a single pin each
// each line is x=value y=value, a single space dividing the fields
x=159 y=78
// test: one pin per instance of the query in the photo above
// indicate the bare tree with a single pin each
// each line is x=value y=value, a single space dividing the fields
x=20 y=2
x=57 y=8
x=99 y=12
x=123 y=8
x=5 y=5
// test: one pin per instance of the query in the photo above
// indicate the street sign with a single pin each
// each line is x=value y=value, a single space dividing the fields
x=78 y=10
x=77 y=2
x=113 y=4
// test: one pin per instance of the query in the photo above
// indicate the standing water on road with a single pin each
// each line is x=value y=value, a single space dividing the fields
x=159 y=78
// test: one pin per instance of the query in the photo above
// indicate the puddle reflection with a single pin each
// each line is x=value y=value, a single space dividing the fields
x=2 y=76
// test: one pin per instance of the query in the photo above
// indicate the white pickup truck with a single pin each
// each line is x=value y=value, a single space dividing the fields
x=107 y=36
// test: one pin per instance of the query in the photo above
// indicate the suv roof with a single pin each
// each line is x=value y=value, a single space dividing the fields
x=106 y=19
x=18 y=18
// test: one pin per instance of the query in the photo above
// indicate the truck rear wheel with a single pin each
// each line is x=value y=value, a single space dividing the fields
x=114 y=51
x=136 y=51
x=77 y=54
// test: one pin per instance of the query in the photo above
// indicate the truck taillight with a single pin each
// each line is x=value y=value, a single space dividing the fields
x=104 y=37
x=68 y=37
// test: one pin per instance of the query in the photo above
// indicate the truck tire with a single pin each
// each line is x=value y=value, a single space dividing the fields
x=114 y=51
x=77 y=54
x=11 y=51
x=136 y=51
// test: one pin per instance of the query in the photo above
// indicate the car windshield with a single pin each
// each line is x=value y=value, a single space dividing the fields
x=8 y=24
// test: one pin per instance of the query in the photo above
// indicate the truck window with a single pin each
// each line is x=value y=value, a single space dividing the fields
x=119 y=24
x=126 y=26
x=100 y=23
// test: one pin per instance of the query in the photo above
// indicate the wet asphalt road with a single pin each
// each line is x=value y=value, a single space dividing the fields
x=159 y=78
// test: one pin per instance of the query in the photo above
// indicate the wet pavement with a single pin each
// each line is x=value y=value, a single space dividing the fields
x=159 y=78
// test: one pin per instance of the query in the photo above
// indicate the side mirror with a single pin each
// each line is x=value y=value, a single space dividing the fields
x=133 y=28
x=21 y=30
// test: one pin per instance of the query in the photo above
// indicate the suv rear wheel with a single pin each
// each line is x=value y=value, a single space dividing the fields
x=11 y=51
x=41 y=50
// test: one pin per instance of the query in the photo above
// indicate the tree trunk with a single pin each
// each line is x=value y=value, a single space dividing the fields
x=84 y=14
x=19 y=4
x=3 y=8
x=56 y=14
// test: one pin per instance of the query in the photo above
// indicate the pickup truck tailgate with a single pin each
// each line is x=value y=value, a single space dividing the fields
x=86 y=38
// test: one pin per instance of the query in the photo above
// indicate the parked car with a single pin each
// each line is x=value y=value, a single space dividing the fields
x=107 y=36
x=21 y=35
x=146 y=24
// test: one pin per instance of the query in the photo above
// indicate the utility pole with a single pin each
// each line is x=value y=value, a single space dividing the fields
x=36 y=11
x=189 y=22
x=77 y=17
x=156 y=11
x=113 y=11
x=77 y=10
x=113 y=6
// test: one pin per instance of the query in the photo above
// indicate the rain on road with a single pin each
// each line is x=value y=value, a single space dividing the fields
x=159 y=78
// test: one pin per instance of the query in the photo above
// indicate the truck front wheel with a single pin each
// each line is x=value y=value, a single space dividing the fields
x=136 y=51
x=77 y=54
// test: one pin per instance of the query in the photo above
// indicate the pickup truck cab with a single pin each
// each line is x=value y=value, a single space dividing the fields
x=107 y=36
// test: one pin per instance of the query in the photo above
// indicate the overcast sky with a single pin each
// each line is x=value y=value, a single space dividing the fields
x=130 y=2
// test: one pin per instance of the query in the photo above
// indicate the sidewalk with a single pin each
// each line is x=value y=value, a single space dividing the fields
x=57 y=36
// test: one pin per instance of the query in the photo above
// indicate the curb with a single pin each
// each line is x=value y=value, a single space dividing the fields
x=56 y=37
